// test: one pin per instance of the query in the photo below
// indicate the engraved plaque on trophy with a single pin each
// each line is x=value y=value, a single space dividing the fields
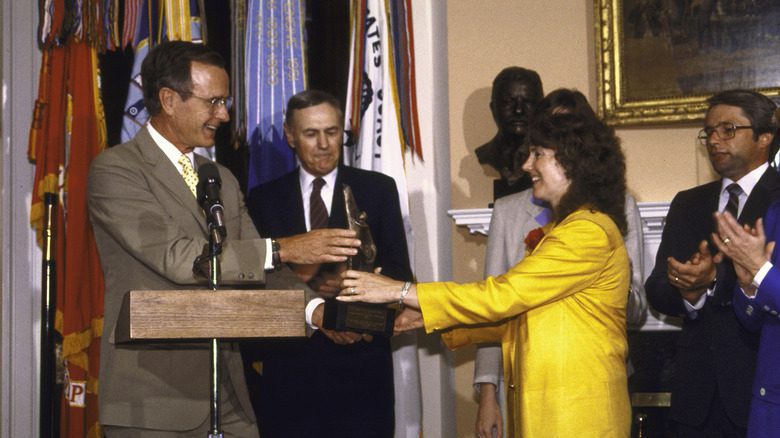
x=359 y=317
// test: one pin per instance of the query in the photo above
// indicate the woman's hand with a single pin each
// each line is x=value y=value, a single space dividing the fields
x=369 y=288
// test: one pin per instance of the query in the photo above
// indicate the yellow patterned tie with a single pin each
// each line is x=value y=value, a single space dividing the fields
x=188 y=172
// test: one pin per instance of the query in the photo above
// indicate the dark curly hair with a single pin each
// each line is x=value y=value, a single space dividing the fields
x=589 y=153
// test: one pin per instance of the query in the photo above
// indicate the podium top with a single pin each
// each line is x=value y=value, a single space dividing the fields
x=205 y=314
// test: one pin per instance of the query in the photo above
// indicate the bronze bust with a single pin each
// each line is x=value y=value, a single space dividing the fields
x=515 y=94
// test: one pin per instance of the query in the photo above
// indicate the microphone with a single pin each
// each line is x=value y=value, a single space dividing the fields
x=209 y=184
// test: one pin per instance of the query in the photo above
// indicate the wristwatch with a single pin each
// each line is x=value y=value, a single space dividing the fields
x=276 y=259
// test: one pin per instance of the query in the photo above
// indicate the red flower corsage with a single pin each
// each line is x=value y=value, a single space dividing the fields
x=533 y=237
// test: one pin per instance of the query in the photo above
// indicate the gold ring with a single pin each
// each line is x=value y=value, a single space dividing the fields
x=352 y=290
x=676 y=278
x=726 y=241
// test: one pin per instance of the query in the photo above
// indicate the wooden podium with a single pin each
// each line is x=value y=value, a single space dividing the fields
x=206 y=314
x=149 y=315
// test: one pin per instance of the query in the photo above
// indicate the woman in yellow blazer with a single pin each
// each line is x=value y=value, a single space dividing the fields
x=560 y=312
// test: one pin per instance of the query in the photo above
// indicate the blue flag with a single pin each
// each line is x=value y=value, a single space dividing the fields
x=275 y=66
x=135 y=112
x=180 y=20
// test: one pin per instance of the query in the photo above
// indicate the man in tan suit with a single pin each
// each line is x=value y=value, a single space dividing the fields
x=149 y=230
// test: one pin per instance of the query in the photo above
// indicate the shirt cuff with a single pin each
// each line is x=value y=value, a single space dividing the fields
x=310 y=311
x=698 y=305
x=478 y=380
x=761 y=274
x=268 y=263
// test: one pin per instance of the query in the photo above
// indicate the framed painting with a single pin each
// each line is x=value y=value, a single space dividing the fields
x=659 y=60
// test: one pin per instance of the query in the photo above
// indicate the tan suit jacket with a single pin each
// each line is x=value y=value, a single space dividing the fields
x=149 y=229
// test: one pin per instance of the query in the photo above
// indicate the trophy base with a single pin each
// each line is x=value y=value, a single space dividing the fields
x=376 y=319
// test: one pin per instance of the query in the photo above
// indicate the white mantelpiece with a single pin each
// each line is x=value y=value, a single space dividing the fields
x=477 y=220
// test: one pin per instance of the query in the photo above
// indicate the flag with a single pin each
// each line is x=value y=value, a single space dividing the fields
x=67 y=132
x=275 y=66
x=372 y=110
x=374 y=117
x=135 y=112
x=173 y=20
x=401 y=27
x=133 y=9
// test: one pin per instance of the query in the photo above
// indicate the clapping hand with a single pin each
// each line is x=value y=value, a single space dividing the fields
x=744 y=245
x=693 y=276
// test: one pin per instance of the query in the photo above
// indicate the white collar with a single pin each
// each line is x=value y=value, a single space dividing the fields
x=170 y=151
x=747 y=182
x=307 y=179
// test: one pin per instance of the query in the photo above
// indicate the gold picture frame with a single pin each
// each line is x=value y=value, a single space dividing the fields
x=659 y=61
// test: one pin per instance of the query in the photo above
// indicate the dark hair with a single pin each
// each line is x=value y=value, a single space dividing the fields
x=566 y=101
x=168 y=65
x=309 y=98
x=756 y=107
x=589 y=152
x=515 y=73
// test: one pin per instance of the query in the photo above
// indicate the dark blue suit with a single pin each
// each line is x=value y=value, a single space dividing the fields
x=761 y=315
x=316 y=388
x=715 y=355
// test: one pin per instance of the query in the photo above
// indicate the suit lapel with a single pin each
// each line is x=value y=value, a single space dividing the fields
x=710 y=204
x=161 y=168
x=531 y=211
x=294 y=203
x=338 y=215
x=765 y=191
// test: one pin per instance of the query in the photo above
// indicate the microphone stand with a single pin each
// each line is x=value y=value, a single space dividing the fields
x=207 y=194
x=215 y=248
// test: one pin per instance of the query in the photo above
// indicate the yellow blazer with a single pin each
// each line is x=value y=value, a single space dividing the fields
x=561 y=316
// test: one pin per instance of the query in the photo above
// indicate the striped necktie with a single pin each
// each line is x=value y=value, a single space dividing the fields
x=318 y=214
x=732 y=206
x=189 y=175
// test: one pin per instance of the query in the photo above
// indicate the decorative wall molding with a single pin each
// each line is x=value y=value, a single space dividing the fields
x=476 y=219
x=652 y=215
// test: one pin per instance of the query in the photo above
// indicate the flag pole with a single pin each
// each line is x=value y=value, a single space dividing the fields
x=49 y=391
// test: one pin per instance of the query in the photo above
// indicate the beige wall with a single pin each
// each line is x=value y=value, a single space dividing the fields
x=555 y=38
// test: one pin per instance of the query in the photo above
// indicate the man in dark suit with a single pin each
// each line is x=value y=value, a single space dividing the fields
x=715 y=355
x=149 y=230
x=334 y=384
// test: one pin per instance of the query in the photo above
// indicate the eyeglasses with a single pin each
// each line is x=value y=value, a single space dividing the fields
x=214 y=102
x=725 y=131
